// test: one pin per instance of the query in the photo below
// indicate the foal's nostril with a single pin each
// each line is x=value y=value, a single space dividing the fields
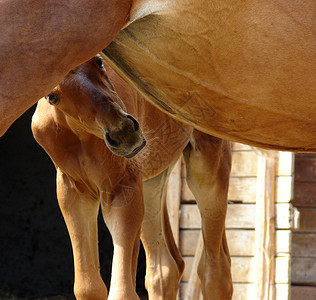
x=136 y=125
x=112 y=142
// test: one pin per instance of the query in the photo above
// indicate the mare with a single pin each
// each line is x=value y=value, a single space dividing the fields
x=243 y=71
x=78 y=125
x=42 y=41
x=239 y=70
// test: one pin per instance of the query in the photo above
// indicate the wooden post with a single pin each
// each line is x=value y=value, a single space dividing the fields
x=264 y=266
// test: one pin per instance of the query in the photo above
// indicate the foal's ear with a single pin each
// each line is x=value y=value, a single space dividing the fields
x=52 y=99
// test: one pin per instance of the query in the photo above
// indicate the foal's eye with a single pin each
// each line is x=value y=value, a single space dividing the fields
x=52 y=98
x=99 y=62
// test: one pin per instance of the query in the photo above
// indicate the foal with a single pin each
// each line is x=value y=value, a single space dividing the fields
x=84 y=127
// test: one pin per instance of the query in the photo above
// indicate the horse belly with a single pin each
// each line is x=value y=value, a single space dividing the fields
x=245 y=73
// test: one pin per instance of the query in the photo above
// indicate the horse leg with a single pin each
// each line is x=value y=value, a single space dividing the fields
x=80 y=215
x=164 y=265
x=208 y=163
x=123 y=212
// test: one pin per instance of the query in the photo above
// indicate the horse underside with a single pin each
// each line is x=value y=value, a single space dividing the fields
x=244 y=72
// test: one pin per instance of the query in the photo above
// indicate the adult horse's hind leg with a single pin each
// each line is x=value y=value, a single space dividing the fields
x=208 y=163
x=80 y=214
x=164 y=265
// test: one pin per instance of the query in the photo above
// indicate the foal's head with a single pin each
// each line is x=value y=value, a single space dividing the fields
x=87 y=97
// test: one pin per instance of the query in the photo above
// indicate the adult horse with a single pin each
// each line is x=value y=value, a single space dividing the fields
x=244 y=71
x=240 y=70
x=80 y=128
x=41 y=41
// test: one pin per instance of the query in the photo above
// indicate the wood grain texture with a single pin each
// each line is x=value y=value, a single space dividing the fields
x=304 y=245
x=304 y=194
x=303 y=270
x=305 y=169
x=303 y=292
x=265 y=227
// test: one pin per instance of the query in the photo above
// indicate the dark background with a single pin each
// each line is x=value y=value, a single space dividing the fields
x=35 y=252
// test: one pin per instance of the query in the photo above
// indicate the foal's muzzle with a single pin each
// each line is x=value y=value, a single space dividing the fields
x=126 y=141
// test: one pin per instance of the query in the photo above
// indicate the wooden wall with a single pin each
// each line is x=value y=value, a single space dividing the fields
x=242 y=228
x=303 y=268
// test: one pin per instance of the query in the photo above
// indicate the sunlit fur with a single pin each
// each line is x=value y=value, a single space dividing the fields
x=89 y=175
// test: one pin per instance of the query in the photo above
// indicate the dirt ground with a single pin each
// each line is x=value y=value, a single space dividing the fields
x=35 y=252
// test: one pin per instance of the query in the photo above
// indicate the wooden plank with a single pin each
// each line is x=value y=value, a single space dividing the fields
x=265 y=227
x=307 y=220
x=193 y=289
x=284 y=188
x=240 y=242
x=186 y=192
x=303 y=292
x=285 y=163
x=304 y=244
x=183 y=291
x=305 y=155
x=188 y=241
x=174 y=199
x=244 y=164
x=239 y=216
x=242 y=189
x=305 y=169
x=190 y=217
x=282 y=292
x=304 y=194
x=282 y=269
x=283 y=241
x=188 y=261
x=284 y=216
x=241 y=268
x=242 y=291
x=303 y=270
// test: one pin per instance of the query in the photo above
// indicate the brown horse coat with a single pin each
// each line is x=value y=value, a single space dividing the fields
x=42 y=41
x=239 y=70
x=244 y=71
x=73 y=132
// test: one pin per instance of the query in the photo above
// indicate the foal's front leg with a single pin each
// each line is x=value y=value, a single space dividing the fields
x=80 y=214
x=123 y=212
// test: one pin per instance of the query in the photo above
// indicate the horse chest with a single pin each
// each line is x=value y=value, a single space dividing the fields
x=97 y=166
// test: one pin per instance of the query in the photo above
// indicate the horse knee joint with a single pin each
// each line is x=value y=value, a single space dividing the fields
x=91 y=292
x=163 y=283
